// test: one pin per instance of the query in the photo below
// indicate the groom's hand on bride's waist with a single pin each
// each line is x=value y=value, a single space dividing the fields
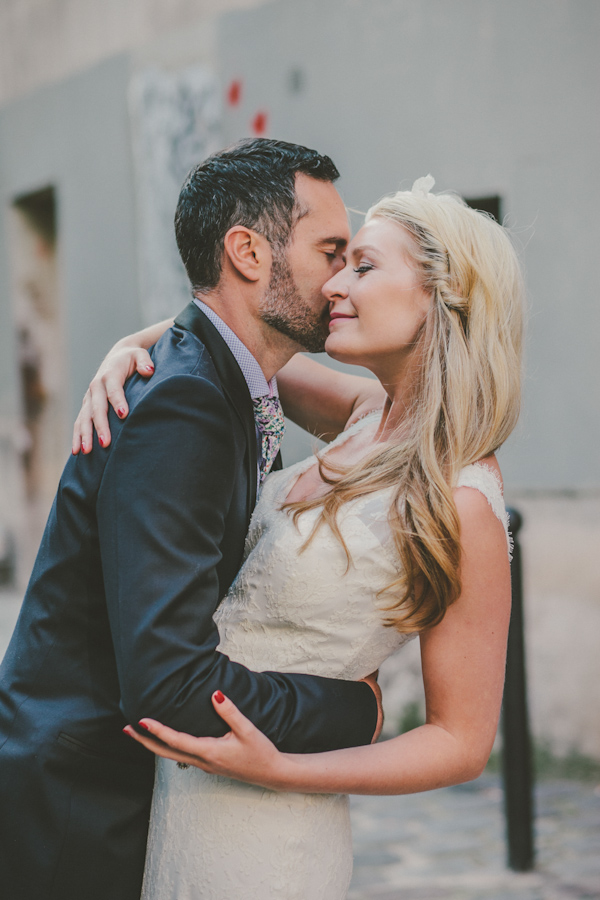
x=371 y=680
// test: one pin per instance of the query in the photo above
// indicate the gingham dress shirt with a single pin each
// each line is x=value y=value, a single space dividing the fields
x=252 y=372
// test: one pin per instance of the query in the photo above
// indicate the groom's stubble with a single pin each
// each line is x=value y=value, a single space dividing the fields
x=285 y=309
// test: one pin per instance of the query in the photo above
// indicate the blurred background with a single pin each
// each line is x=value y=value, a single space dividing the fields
x=104 y=107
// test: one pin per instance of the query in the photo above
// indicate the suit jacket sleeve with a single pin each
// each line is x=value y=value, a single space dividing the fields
x=161 y=510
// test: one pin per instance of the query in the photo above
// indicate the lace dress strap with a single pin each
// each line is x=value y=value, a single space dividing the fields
x=487 y=482
x=281 y=481
x=353 y=429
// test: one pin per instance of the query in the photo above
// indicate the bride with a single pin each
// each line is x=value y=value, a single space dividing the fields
x=396 y=529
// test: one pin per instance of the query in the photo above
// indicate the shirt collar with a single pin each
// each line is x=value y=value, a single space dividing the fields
x=252 y=372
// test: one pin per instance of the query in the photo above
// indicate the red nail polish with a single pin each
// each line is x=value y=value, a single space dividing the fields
x=101 y=440
x=120 y=412
x=83 y=446
x=126 y=732
x=143 y=725
x=219 y=697
x=150 y=368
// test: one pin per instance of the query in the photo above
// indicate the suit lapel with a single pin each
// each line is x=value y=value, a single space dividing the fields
x=234 y=384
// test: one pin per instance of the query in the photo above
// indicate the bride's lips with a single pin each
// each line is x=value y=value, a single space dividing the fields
x=337 y=316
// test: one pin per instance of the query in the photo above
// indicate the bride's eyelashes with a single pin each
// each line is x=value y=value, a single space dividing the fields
x=364 y=267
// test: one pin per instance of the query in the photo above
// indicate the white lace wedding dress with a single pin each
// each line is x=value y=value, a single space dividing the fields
x=213 y=838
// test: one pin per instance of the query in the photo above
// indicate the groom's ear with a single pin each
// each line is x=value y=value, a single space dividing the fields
x=247 y=252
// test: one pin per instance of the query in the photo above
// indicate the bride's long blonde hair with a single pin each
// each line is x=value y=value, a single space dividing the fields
x=466 y=402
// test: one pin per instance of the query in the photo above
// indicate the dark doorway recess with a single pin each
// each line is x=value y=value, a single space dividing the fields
x=491 y=205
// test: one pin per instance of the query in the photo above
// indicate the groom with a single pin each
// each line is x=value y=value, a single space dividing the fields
x=145 y=536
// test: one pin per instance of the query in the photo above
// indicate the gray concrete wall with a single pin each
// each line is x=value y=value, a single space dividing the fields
x=75 y=136
x=43 y=41
x=496 y=97
x=492 y=97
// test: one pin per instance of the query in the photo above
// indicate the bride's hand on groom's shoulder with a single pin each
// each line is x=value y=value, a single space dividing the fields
x=107 y=387
x=244 y=753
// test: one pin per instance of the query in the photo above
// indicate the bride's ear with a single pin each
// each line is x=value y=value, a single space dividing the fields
x=248 y=253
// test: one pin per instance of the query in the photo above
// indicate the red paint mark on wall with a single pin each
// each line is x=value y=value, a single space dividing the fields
x=259 y=123
x=234 y=93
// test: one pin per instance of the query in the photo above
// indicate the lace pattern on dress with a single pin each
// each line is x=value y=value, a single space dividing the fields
x=212 y=838
x=485 y=480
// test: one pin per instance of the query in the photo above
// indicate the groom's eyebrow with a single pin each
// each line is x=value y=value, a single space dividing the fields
x=338 y=242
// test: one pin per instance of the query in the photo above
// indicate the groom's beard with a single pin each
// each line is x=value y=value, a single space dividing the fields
x=285 y=310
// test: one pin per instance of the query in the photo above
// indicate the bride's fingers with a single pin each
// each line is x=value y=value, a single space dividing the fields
x=229 y=712
x=202 y=748
x=153 y=745
x=143 y=363
x=99 y=411
x=82 y=429
x=167 y=751
x=178 y=740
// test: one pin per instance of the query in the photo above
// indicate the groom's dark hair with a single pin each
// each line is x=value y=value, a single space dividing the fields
x=252 y=183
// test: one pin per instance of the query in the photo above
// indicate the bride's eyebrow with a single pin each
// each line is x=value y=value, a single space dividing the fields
x=356 y=251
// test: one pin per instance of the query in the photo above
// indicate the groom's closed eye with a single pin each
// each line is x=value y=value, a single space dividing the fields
x=333 y=246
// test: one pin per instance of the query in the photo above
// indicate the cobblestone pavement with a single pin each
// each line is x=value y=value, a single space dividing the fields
x=449 y=844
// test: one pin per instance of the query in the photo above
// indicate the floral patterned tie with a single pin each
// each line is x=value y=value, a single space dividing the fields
x=270 y=421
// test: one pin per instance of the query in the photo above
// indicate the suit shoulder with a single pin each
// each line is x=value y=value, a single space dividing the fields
x=190 y=394
x=180 y=352
x=182 y=365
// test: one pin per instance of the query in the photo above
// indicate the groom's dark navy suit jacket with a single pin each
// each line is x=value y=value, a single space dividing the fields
x=143 y=540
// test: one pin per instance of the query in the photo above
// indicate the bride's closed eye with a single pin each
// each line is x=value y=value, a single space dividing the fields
x=364 y=267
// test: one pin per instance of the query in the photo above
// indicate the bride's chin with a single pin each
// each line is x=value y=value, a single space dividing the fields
x=334 y=350
x=342 y=351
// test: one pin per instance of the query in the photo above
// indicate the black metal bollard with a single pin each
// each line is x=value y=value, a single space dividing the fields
x=516 y=755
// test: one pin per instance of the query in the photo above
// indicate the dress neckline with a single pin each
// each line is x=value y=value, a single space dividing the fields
x=305 y=464
x=289 y=477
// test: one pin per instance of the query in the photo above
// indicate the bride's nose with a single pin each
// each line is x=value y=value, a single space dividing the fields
x=336 y=288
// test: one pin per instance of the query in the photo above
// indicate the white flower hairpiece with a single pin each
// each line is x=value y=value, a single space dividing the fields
x=423 y=185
